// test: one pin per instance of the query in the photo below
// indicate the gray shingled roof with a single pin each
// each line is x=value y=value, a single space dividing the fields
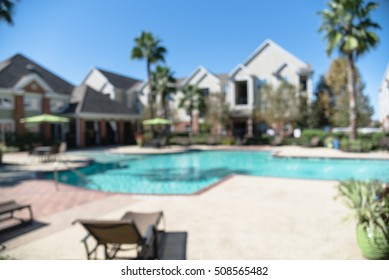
x=87 y=100
x=119 y=81
x=223 y=78
x=12 y=69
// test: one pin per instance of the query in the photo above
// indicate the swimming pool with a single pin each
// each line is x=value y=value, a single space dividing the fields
x=190 y=172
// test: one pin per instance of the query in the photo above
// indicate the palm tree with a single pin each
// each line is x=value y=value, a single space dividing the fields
x=6 y=10
x=348 y=28
x=147 y=47
x=163 y=82
x=192 y=100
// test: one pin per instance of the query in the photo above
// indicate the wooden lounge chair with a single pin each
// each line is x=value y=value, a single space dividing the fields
x=8 y=208
x=138 y=230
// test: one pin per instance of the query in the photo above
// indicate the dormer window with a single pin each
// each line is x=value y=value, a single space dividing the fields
x=241 y=95
x=303 y=83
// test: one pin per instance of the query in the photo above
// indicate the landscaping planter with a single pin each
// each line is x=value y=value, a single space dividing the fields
x=372 y=244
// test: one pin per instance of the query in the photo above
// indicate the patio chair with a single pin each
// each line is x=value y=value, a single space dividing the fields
x=8 y=208
x=137 y=230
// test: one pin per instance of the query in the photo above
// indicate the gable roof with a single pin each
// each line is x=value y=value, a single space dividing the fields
x=268 y=43
x=87 y=100
x=199 y=69
x=119 y=81
x=14 y=68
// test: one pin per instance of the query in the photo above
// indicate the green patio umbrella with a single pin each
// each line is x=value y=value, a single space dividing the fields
x=156 y=121
x=45 y=118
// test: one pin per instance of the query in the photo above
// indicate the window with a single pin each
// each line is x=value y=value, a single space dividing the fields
x=5 y=102
x=32 y=104
x=57 y=105
x=205 y=91
x=303 y=83
x=241 y=93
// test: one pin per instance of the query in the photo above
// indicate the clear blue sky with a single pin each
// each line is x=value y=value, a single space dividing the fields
x=69 y=37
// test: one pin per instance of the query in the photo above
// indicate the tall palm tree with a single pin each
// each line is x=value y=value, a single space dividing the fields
x=163 y=82
x=192 y=100
x=6 y=10
x=148 y=47
x=347 y=27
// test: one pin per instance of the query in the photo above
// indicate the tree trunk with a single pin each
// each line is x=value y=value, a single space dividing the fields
x=165 y=115
x=191 y=123
x=151 y=108
x=352 y=96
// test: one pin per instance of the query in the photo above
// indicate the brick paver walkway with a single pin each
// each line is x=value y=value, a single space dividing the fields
x=44 y=197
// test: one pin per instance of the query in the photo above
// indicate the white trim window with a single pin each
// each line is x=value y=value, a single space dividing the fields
x=6 y=102
x=241 y=92
x=32 y=103
x=57 y=105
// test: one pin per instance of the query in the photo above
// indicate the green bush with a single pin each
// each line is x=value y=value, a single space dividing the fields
x=26 y=141
x=329 y=141
x=308 y=134
x=228 y=141
x=384 y=143
x=199 y=139
x=291 y=141
x=179 y=134
x=358 y=145
x=205 y=127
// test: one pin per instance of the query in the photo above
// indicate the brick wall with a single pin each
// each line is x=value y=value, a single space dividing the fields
x=18 y=114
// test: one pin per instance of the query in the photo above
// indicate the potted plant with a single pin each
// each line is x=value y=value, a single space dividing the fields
x=370 y=203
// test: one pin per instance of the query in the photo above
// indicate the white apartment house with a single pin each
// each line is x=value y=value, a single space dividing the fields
x=269 y=63
x=384 y=101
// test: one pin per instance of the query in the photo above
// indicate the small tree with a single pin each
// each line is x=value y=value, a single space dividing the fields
x=217 y=112
x=192 y=100
x=323 y=107
x=277 y=106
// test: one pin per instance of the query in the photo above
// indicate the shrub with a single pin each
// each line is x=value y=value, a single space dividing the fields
x=308 y=134
x=26 y=141
x=384 y=143
x=358 y=145
x=205 y=127
x=329 y=141
x=228 y=141
x=291 y=141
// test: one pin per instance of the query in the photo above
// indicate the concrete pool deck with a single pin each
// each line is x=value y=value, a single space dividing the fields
x=243 y=217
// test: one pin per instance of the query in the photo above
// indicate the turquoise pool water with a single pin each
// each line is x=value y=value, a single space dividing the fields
x=190 y=172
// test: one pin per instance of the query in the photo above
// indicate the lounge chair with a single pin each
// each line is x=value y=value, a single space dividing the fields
x=8 y=208
x=139 y=230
